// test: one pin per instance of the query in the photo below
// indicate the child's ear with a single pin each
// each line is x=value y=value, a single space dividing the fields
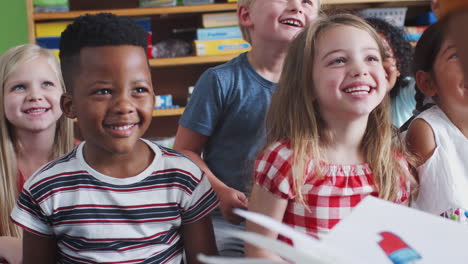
x=243 y=14
x=426 y=83
x=66 y=104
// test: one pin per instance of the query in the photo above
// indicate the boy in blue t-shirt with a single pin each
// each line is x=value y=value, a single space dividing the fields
x=116 y=198
x=225 y=115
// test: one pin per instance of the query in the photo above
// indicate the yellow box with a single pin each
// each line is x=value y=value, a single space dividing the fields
x=51 y=29
x=225 y=19
x=220 y=47
x=56 y=52
x=229 y=1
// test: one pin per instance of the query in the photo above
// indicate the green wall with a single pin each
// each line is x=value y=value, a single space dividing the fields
x=13 y=24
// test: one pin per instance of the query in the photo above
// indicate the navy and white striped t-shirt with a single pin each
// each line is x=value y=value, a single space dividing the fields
x=101 y=219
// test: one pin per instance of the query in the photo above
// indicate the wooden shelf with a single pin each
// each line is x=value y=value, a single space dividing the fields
x=192 y=60
x=381 y=2
x=200 y=9
x=139 y=11
x=169 y=112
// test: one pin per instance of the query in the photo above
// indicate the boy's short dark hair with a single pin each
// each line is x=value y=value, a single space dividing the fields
x=103 y=29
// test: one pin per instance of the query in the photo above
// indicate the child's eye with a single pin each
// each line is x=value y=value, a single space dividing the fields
x=373 y=58
x=141 y=90
x=103 y=91
x=388 y=55
x=454 y=56
x=309 y=2
x=338 y=61
x=47 y=84
x=19 y=87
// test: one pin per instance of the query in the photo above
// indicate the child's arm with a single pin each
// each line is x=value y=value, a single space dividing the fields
x=191 y=144
x=421 y=141
x=264 y=202
x=38 y=249
x=199 y=238
x=11 y=249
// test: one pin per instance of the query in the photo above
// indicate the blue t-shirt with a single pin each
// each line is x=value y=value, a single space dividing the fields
x=229 y=104
x=404 y=104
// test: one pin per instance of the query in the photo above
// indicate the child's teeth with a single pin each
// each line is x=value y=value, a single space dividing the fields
x=360 y=89
x=35 y=111
x=122 y=127
x=292 y=22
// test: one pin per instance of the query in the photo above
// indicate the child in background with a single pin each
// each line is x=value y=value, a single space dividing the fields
x=438 y=135
x=33 y=130
x=435 y=8
x=398 y=62
x=224 y=118
x=116 y=198
x=328 y=132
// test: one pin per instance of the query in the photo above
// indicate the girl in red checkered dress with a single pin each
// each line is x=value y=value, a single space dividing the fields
x=329 y=135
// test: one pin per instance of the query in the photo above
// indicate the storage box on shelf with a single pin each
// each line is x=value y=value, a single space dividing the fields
x=167 y=72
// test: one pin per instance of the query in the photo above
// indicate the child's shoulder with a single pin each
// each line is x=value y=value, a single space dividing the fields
x=278 y=150
x=236 y=62
x=174 y=160
x=280 y=145
x=231 y=69
x=64 y=165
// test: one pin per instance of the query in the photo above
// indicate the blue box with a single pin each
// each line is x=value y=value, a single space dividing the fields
x=218 y=33
x=48 y=42
x=163 y=101
x=144 y=22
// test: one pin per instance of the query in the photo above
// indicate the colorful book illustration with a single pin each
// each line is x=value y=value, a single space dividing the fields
x=376 y=232
x=397 y=250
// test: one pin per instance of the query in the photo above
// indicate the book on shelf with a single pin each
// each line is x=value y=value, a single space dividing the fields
x=220 y=47
x=224 y=19
x=218 y=33
x=48 y=34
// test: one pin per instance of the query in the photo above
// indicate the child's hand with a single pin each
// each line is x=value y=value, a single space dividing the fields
x=11 y=249
x=229 y=199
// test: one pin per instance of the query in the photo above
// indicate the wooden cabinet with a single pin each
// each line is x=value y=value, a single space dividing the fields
x=175 y=75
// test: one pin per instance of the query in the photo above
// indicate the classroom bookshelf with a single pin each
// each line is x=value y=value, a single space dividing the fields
x=175 y=75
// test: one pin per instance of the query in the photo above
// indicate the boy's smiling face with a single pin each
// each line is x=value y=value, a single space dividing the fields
x=112 y=98
x=279 y=20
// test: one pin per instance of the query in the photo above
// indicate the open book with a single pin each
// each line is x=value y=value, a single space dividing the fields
x=376 y=232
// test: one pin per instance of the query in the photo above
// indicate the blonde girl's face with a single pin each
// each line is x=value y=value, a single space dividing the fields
x=349 y=79
x=450 y=86
x=32 y=96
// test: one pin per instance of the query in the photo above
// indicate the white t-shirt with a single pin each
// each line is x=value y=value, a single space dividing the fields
x=96 y=218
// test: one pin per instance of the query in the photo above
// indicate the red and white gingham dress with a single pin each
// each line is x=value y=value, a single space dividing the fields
x=329 y=199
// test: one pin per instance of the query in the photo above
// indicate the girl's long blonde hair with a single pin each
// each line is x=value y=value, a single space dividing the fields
x=9 y=146
x=294 y=115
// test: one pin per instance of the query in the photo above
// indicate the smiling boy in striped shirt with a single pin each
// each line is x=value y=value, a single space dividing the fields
x=116 y=198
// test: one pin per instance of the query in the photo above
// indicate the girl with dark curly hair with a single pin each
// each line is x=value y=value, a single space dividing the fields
x=398 y=61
